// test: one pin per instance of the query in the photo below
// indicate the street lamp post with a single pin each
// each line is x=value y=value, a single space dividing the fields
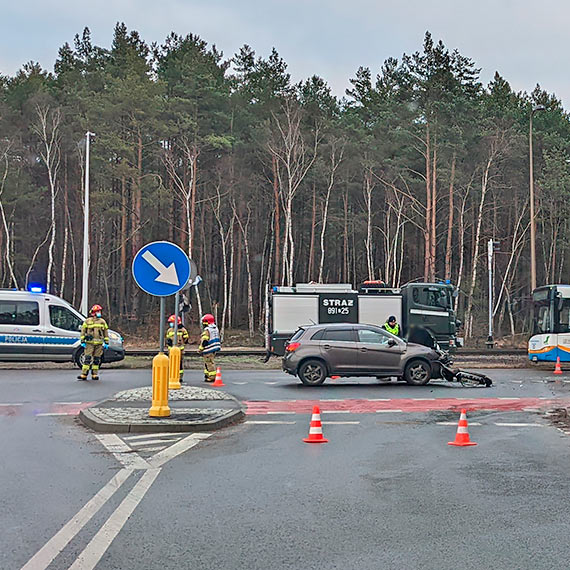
x=85 y=282
x=534 y=109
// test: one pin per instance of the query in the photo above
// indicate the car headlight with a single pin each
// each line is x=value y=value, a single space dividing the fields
x=115 y=336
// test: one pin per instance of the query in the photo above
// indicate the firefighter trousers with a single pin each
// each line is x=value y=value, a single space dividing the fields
x=93 y=356
x=209 y=367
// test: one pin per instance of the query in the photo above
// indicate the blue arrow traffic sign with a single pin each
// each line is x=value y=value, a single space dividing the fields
x=161 y=268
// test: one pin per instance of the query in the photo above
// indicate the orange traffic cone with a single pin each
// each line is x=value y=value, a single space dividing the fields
x=558 y=368
x=462 y=435
x=316 y=429
x=218 y=381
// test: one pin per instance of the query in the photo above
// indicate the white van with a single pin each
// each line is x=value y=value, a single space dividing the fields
x=38 y=326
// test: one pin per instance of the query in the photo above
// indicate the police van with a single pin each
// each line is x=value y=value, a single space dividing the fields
x=36 y=326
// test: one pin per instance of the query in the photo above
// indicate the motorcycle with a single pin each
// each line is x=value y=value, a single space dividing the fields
x=466 y=379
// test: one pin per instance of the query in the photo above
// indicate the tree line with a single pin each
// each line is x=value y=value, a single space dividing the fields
x=263 y=181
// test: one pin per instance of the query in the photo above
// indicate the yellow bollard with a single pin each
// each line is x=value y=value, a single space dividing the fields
x=159 y=408
x=174 y=355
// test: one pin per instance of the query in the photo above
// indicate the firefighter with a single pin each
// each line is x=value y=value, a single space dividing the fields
x=182 y=339
x=94 y=340
x=209 y=345
x=392 y=326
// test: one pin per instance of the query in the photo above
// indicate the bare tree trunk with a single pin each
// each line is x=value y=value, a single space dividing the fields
x=232 y=273
x=335 y=160
x=433 y=244
x=368 y=187
x=244 y=232
x=295 y=160
x=461 y=232
x=450 y=211
x=346 y=264
x=277 y=228
x=475 y=257
x=5 y=222
x=123 y=248
x=427 y=232
x=48 y=130
x=312 y=242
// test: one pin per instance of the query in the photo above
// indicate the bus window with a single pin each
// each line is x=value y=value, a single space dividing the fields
x=564 y=316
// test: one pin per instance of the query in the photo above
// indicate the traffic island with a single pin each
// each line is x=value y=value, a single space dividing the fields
x=193 y=409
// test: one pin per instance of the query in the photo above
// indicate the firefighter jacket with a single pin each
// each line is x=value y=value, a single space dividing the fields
x=210 y=340
x=95 y=331
x=394 y=330
x=182 y=337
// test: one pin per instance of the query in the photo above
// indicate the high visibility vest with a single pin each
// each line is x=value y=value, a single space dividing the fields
x=211 y=339
x=394 y=330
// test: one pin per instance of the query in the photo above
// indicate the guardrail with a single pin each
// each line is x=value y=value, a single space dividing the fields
x=261 y=352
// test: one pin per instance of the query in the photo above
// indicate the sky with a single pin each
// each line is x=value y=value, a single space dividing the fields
x=525 y=41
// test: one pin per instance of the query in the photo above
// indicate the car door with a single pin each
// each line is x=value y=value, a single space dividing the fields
x=21 y=331
x=378 y=351
x=338 y=347
x=62 y=332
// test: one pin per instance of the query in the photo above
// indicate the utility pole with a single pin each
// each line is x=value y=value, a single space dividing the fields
x=85 y=283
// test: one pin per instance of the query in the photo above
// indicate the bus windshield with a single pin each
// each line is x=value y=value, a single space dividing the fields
x=542 y=317
x=551 y=310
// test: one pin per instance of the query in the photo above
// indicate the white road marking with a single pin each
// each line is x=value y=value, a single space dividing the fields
x=335 y=412
x=45 y=556
x=142 y=443
x=508 y=398
x=239 y=383
x=388 y=411
x=122 y=451
x=147 y=435
x=274 y=413
x=455 y=423
x=340 y=423
x=530 y=410
x=424 y=399
x=68 y=403
x=19 y=404
x=99 y=544
x=271 y=383
x=330 y=400
x=379 y=399
x=517 y=425
x=264 y=422
x=156 y=448
x=177 y=448
x=43 y=414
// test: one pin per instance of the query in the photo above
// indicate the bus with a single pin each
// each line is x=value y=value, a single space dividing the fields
x=551 y=334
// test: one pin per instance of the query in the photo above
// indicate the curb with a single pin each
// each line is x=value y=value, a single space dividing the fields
x=90 y=420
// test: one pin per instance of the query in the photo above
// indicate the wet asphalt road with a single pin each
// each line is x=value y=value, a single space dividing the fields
x=385 y=492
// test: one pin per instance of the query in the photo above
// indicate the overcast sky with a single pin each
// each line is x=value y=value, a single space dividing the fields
x=528 y=42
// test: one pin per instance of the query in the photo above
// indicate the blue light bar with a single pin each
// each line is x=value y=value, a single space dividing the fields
x=36 y=288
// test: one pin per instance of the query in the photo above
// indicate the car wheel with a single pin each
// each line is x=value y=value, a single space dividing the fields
x=79 y=357
x=417 y=373
x=312 y=372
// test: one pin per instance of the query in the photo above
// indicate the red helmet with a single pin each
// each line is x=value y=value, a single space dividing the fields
x=95 y=309
x=208 y=319
x=172 y=318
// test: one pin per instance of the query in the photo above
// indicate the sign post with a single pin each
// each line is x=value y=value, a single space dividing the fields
x=161 y=269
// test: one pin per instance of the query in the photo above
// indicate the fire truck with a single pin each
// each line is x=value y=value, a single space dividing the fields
x=423 y=310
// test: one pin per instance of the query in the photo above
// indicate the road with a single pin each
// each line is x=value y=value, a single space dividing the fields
x=385 y=492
